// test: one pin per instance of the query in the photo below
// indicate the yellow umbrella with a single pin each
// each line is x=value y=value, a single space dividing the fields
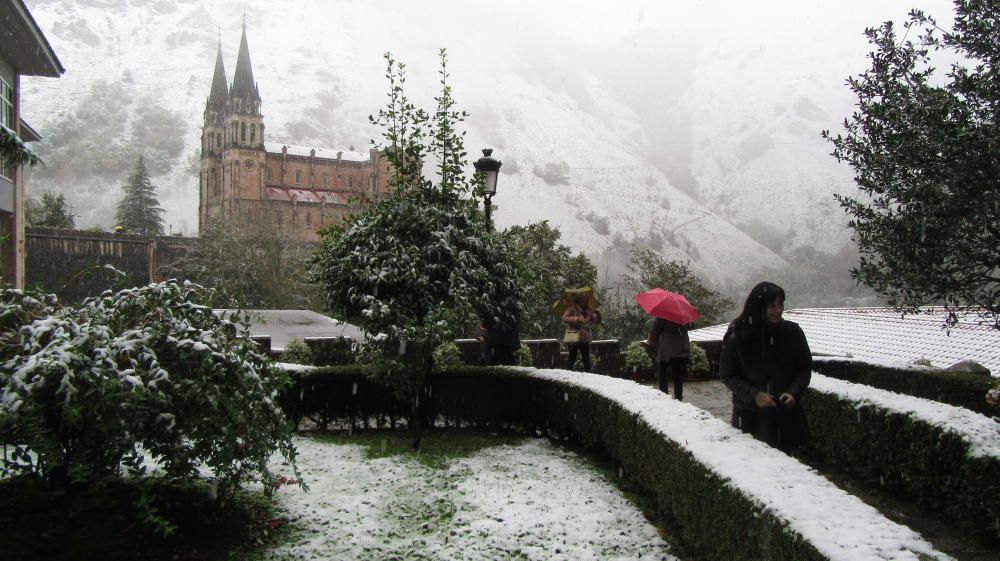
x=569 y=296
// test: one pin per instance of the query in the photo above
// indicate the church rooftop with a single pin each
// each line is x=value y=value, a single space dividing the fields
x=323 y=153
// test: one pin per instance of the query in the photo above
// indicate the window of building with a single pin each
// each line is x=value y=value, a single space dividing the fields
x=253 y=133
x=350 y=181
x=298 y=177
x=7 y=120
x=267 y=173
x=243 y=132
x=326 y=179
x=218 y=141
x=309 y=219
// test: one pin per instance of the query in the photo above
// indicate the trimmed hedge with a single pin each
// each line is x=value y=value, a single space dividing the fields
x=961 y=389
x=894 y=441
x=705 y=476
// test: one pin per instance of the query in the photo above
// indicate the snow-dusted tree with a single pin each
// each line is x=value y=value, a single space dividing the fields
x=139 y=210
x=420 y=264
x=925 y=149
x=51 y=212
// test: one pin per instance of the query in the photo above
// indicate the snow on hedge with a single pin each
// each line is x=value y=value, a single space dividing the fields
x=981 y=432
x=838 y=524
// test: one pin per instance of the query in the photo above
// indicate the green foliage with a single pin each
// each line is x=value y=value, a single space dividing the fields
x=446 y=355
x=923 y=146
x=93 y=392
x=297 y=352
x=546 y=267
x=52 y=212
x=13 y=150
x=523 y=356
x=421 y=263
x=637 y=356
x=139 y=210
x=253 y=266
x=698 y=360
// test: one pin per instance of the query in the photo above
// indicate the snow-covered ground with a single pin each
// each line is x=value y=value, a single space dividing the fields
x=531 y=501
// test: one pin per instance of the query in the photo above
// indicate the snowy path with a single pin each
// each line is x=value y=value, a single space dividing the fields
x=532 y=502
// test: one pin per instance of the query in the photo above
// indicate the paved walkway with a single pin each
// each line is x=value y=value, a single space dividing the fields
x=710 y=395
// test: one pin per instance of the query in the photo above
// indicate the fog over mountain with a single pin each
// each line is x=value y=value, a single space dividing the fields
x=693 y=130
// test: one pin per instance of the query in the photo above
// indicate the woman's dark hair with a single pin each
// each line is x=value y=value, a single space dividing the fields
x=748 y=327
x=755 y=307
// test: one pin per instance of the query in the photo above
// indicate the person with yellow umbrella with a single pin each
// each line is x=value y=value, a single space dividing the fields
x=578 y=309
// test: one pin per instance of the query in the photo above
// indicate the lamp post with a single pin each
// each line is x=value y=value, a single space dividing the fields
x=490 y=169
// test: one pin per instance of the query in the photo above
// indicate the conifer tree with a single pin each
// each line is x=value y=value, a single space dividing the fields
x=139 y=211
x=51 y=212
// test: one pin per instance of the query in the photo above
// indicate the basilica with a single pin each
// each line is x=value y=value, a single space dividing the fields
x=248 y=182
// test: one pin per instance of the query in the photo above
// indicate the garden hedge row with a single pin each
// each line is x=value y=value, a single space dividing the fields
x=715 y=483
x=947 y=458
x=961 y=389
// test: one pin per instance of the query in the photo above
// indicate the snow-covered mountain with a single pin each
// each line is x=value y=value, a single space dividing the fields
x=687 y=142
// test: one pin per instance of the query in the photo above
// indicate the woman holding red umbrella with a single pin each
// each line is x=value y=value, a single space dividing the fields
x=669 y=336
x=672 y=350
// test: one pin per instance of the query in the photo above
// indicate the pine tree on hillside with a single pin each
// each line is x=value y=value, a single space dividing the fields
x=139 y=211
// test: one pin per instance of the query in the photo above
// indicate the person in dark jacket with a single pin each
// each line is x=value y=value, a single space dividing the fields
x=673 y=347
x=767 y=365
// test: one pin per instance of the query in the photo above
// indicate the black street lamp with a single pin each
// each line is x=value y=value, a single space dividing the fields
x=490 y=169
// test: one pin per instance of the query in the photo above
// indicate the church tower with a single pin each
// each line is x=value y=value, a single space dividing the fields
x=213 y=135
x=233 y=153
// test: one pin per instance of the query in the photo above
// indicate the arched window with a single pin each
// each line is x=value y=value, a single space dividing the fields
x=326 y=179
x=309 y=219
x=243 y=132
x=253 y=133
x=218 y=140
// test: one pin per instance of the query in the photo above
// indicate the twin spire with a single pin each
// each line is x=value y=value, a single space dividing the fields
x=243 y=86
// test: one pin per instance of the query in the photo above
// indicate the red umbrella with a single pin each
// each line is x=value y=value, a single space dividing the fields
x=668 y=305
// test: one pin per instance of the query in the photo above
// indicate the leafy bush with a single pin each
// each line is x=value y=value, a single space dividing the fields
x=446 y=355
x=92 y=393
x=698 y=360
x=637 y=356
x=297 y=352
x=523 y=357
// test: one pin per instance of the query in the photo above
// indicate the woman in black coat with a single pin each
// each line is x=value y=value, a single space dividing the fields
x=767 y=365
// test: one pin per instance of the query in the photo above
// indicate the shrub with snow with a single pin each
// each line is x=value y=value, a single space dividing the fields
x=92 y=393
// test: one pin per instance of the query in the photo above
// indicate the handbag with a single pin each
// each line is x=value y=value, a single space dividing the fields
x=571 y=337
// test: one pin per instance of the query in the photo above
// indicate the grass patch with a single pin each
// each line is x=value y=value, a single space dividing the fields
x=80 y=524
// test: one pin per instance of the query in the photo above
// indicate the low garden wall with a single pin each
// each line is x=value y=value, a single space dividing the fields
x=731 y=496
x=947 y=458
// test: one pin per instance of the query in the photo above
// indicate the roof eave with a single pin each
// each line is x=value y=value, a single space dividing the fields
x=40 y=61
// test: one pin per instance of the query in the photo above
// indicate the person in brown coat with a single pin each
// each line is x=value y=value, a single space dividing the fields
x=579 y=316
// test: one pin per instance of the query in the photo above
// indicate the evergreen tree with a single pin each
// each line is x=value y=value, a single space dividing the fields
x=52 y=212
x=546 y=268
x=139 y=211
x=925 y=148
x=420 y=264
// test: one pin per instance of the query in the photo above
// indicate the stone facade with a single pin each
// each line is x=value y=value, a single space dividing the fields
x=246 y=181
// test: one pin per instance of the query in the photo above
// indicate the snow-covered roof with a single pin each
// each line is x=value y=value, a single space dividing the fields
x=284 y=325
x=321 y=153
x=884 y=336
x=305 y=196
